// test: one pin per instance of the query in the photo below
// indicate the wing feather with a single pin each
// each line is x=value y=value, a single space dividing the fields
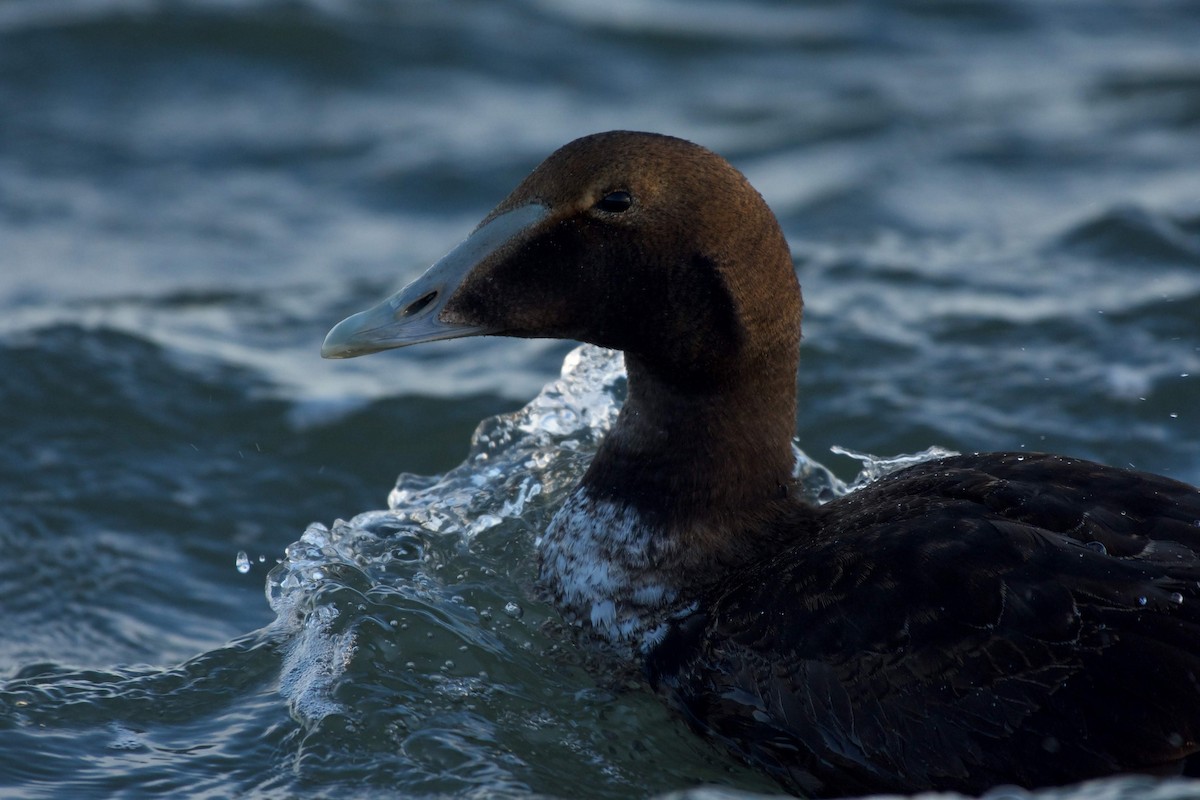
x=967 y=622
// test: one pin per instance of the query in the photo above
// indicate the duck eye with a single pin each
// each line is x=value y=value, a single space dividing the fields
x=615 y=202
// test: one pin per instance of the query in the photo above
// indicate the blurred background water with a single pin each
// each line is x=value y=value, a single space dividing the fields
x=994 y=208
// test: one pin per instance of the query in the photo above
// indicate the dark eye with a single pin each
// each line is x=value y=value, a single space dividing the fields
x=615 y=202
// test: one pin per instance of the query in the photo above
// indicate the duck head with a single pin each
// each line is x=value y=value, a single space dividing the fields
x=635 y=241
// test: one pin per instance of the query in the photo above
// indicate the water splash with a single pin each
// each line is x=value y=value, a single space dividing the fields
x=445 y=543
x=875 y=467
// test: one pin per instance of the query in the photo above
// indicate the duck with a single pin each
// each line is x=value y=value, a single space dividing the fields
x=969 y=621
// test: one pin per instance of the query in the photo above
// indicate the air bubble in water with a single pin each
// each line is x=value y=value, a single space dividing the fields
x=513 y=610
x=243 y=562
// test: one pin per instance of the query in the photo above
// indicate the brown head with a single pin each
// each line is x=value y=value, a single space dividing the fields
x=635 y=241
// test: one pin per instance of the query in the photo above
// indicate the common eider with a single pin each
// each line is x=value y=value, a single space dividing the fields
x=970 y=621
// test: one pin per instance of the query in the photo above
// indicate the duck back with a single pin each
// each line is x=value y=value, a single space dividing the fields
x=970 y=621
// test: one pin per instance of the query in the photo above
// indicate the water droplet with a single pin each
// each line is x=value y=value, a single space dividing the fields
x=243 y=562
x=513 y=610
x=1176 y=598
x=1051 y=745
x=1174 y=740
x=1097 y=546
x=262 y=559
x=1142 y=600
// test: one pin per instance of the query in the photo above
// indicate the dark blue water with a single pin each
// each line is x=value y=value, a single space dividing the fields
x=994 y=209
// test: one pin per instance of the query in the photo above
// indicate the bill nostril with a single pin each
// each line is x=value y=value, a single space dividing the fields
x=419 y=304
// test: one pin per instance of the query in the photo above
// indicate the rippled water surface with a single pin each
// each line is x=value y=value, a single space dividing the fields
x=994 y=209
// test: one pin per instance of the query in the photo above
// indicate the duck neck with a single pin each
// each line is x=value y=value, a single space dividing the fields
x=688 y=458
x=681 y=491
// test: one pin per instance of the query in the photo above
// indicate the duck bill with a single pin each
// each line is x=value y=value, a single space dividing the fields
x=414 y=314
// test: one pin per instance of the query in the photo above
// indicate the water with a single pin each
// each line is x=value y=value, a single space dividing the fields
x=994 y=209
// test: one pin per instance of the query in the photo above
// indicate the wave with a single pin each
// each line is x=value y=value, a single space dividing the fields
x=1134 y=235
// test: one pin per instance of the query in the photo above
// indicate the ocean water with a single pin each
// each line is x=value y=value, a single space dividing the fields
x=212 y=582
